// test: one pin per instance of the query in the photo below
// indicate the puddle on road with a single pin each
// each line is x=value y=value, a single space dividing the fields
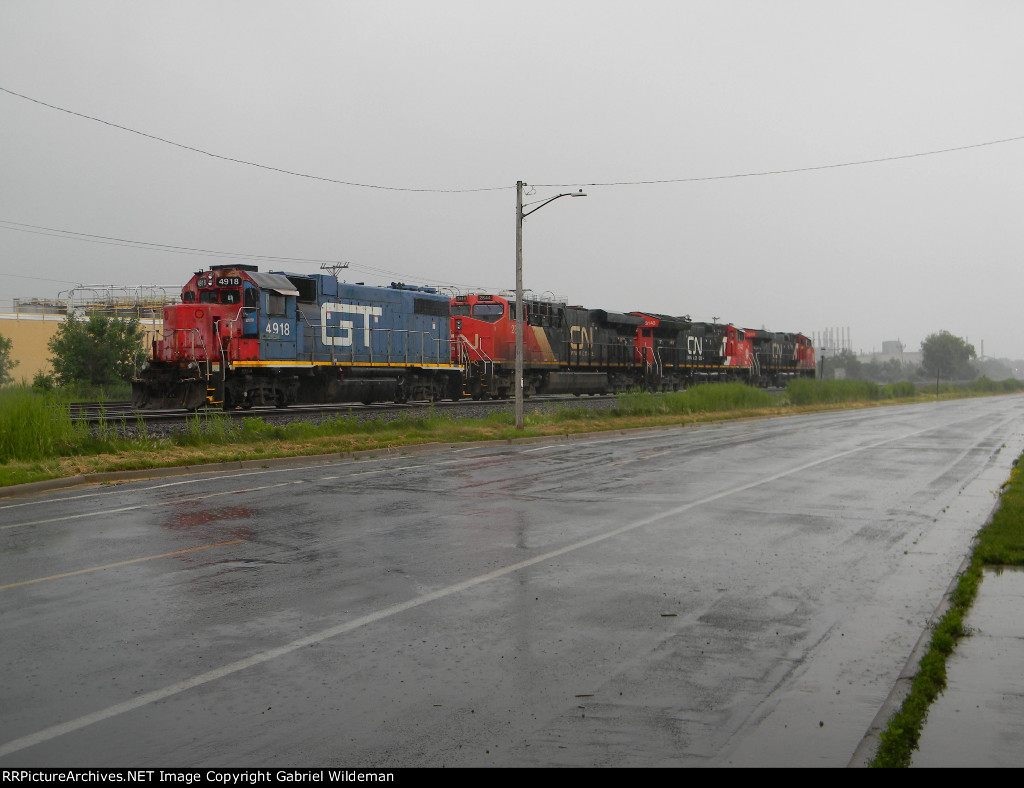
x=979 y=719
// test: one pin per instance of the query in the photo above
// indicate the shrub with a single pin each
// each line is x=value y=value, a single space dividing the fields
x=827 y=392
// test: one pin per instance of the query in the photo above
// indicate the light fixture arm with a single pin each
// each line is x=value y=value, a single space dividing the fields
x=580 y=193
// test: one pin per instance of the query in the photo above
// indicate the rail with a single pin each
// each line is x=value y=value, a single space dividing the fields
x=605 y=354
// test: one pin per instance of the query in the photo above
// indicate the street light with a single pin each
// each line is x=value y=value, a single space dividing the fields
x=520 y=308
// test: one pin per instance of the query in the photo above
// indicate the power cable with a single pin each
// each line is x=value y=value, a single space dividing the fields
x=759 y=174
x=250 y=163
x=72 y=235
x=55 y=232
x=781 y=172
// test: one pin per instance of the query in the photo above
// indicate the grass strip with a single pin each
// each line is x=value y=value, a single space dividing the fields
x=38 y=440
x=999 y=543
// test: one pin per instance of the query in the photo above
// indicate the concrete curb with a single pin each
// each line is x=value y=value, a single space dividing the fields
x=868 y=748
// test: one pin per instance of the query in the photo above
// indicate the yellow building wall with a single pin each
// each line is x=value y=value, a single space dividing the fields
x=29 y=338
x=31 y=333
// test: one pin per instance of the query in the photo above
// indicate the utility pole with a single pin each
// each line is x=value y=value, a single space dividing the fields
x=334 y=268
x=520 y=306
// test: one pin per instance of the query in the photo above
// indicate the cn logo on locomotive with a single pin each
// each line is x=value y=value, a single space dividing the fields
x=580 y=338
x=342 y=336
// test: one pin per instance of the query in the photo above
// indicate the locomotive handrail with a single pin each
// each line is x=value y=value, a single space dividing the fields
x=391 y=354
x=220 y=339
x=194 y=332
x=300 y=315
x=466 y=349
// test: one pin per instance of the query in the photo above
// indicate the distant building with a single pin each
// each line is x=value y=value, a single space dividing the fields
x=30 y=323
x=892 y=349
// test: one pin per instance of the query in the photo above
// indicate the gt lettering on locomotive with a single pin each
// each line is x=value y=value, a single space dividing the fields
x=346 y=327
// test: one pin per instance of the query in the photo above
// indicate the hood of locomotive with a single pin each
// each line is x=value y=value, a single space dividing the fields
x=189 y=332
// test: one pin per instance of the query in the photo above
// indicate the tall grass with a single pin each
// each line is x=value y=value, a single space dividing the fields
x=985 y=385
x=703 y=398
x=831 y=392
x=900 y=390
x=34 y=426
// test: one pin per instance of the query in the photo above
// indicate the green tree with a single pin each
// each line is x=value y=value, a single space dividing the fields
x=947 y=356
x=847 y=361
x=6 y=362
x=96 y=351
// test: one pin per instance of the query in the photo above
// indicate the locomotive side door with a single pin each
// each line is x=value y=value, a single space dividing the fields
x=250 y=308
x=277 y=326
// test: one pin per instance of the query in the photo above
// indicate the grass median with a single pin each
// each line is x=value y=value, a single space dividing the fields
x=39 y=440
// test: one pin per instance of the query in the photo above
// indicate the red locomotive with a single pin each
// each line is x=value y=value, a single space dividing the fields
x=570 y=349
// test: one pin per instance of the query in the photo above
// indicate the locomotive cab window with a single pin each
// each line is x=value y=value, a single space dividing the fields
x=229 y=297
x=208 y=297
x=275 y=304
x=491 y=313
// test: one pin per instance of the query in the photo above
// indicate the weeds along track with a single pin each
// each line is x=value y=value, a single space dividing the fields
x=122 y=418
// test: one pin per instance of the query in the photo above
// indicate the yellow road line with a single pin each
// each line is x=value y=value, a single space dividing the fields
x=119 y=563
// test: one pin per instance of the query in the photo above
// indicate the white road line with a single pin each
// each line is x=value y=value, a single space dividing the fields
x=147 y=698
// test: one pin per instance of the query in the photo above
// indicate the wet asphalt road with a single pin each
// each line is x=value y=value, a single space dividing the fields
x=737 y=594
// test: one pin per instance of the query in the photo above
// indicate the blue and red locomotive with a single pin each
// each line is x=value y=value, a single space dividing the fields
x=241 y=337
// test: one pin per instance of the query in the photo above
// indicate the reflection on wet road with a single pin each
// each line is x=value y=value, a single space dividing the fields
x=741 y=594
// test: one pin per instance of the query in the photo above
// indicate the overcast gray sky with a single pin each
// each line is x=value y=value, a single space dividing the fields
x=448 y=95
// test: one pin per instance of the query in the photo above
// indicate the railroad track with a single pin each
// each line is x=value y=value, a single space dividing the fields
x=123 y=413
x=117 y=413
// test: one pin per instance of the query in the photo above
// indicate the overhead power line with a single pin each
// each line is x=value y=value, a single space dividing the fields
x=758 y=174
x=39 y=278
x=781 y=172
x=249 y=163
x=55 y=232
x=72 y=235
